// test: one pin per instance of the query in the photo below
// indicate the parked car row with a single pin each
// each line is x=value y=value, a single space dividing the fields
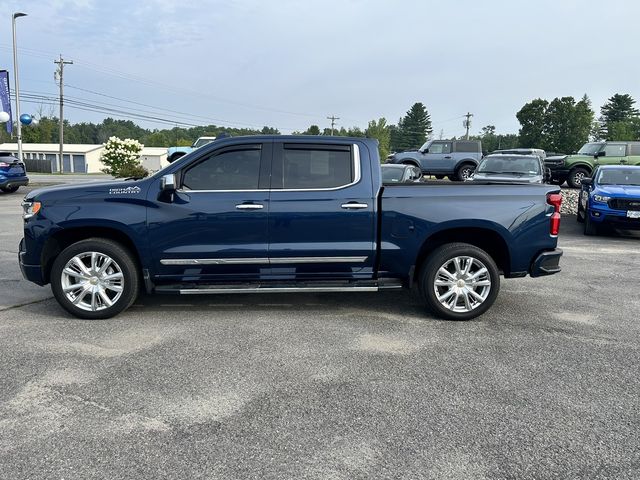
x=574 y=168
x=610 y=199
x=456 y=159
x=12 y=173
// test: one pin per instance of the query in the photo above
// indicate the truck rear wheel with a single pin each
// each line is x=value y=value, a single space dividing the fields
x=459 y=281
x=95 y=279
x=10 y=188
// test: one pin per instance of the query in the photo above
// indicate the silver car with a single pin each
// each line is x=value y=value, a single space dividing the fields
x=511 y=168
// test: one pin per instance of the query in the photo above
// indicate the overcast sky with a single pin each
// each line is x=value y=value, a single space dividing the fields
x=290 y=63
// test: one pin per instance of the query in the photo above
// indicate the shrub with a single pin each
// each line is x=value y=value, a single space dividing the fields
x=121 y=158
x=133 y=171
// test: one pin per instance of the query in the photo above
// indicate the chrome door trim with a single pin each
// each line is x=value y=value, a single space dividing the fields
x=260 y=261
x=288 y=260
x=214 y=261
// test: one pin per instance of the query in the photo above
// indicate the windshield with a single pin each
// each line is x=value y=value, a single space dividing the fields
x=514 y=165
x=619 y=176
x=425 y=145
x=390 y=175
x=202 y=141
x=590 y=148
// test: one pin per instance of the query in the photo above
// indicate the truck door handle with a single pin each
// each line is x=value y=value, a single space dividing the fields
x=354 y=205
x=447 y=157
x=249 y=206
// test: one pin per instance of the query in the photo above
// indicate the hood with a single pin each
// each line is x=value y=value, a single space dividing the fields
x=619 y=190
x=78 y=191
x=480 y=177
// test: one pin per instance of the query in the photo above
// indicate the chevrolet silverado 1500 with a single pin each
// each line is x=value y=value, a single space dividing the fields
x=285 y=214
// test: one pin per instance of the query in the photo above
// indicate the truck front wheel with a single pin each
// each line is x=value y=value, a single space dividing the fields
x=464 y=172
x=95 y=279
x=459 y=281
x=576 y=175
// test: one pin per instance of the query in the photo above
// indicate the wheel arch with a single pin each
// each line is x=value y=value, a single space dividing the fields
x=484 y=237
x=584 y=165
x=65 y=237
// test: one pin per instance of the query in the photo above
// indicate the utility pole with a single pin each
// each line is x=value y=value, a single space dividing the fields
x=333 y=119
x=467 y=123
x=61 y=62
x=17 y=83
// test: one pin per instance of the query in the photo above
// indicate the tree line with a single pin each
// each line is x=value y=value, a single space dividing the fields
x=561 y=125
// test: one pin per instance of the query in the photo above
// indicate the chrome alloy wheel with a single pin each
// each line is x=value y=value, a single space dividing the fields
x=462 y=284
x=92 y=281
x=577 y=177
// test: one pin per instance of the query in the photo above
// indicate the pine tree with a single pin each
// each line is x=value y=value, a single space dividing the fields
x=615 y=114
x=415 y=127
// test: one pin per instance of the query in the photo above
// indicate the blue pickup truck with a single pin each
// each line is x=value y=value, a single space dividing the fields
x=285 y=214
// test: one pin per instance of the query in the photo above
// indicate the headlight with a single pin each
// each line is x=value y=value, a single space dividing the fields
x=601 y=198
x=29 y=209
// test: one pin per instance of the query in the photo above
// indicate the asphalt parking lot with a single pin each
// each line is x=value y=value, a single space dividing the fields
x=545 y=385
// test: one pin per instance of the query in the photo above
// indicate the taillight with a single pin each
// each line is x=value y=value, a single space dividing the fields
x=555 y=199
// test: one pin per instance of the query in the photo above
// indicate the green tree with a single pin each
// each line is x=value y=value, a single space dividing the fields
x=532 y=120
x=312 y=130
x=379 y=130
x=415 y=127
x=616 y=117
x=567 y=124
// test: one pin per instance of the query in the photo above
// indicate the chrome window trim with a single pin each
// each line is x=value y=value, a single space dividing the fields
x=357 y=168
x=261 y=261
x=181 y=190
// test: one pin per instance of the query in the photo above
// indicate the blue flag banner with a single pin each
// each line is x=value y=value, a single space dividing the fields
x=5 y=98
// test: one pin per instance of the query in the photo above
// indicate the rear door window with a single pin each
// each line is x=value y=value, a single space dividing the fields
x=313 y=167
x=615 y=150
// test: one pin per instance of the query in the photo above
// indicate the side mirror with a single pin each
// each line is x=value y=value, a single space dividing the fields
x=426 y=150
x=599 y=154
x=168 y=183
x=587 y=181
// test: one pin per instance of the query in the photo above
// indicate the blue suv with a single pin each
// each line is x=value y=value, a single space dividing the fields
x=12 y=173
x=456 y=159
x=610 y=198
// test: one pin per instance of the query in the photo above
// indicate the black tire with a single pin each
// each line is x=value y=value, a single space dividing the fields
x=464 y=171
x=123 y=260
x=590 y=228
x=175 y=157
x=440 y=257
x=10 y=189
x=576 y=175
x=558 y=181
x=439 y=177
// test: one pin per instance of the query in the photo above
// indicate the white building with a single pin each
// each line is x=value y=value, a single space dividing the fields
x=77 y=158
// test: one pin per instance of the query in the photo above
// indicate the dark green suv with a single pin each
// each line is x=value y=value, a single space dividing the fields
x=573 y=168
